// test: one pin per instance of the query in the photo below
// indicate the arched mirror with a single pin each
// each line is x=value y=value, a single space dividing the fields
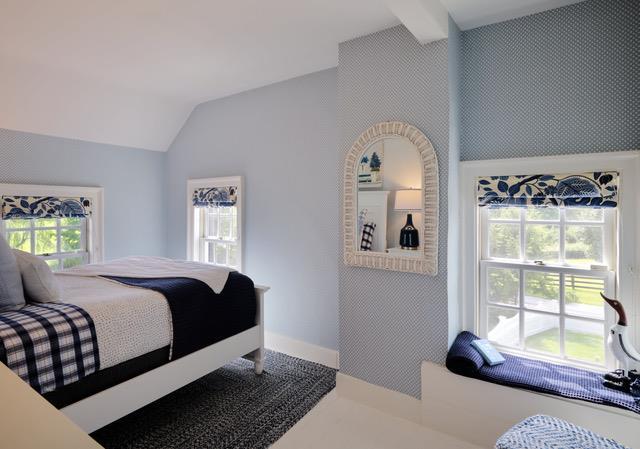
x=391 y=200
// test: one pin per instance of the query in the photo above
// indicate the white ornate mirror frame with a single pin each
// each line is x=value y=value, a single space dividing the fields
x=429 y=231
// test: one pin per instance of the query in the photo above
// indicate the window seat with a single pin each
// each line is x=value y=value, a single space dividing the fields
x=536 y=375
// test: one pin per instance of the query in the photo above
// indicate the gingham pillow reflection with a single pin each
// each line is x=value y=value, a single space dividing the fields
x=367 y=236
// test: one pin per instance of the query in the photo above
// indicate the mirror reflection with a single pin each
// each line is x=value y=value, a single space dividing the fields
x=390 y=198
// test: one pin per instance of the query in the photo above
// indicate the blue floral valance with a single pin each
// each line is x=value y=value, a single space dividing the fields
x=215 y=196
x=596 y=189
x=26 y=207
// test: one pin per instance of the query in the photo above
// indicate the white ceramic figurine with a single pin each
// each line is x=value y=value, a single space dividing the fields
x=619 y=341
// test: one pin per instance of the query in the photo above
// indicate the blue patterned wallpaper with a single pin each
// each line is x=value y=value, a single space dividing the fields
x=390 y=321
x=559 y=82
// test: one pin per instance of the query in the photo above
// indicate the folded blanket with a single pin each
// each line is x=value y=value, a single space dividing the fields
x=199 y=317
x=463 y=358
x=144 y=267
x=49 y=345
x=536 y=375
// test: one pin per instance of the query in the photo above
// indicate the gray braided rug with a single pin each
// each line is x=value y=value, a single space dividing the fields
x=230 y=408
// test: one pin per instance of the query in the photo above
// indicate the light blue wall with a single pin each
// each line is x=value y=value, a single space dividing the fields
x=391 y=321
x=559 y=82
x=282 y=138
x=132 y=180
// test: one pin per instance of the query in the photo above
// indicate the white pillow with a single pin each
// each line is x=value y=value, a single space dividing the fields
x=39 y=282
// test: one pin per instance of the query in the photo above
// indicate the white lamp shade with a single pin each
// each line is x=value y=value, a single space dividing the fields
x=408 y=199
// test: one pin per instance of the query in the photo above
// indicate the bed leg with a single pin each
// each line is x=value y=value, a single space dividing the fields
x=258 y=360
x=259 y=354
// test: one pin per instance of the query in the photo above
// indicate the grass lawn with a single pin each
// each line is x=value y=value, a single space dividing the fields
x=584 y=295
x=587 y=347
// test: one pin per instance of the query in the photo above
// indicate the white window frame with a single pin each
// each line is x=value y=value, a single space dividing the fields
x=561 y=268
x=95 y=223
x=627 y=222
x=195 y=224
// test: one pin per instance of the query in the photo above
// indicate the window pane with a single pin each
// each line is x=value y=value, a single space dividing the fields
x=584 y=341
x=221 y=253
x=45 y=222
x=70 y=240
x=504 y=240
x=212 y=228
x=210 y=253
x=543 y=213
x=503 y=286
x=542 y=333
x=543 y=242
x=46 y=241
x=504 y=213
x=53 y=264
x=584 y=214
x=72 y=262
x=225 y=226
x=583 y=244
x=542 y=291
x=234 y=224
x=20 y=240
x=18 y=224
x=503 y=326
x=71 y=221
x=233 y=255
x=582 y=296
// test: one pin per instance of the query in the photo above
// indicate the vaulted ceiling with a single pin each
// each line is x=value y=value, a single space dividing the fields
x=129 y=72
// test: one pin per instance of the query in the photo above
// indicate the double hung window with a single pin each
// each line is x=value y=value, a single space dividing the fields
x=215 y=229
x=62 y=225
x=544 y=262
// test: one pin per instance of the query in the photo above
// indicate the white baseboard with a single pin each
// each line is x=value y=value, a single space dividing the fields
x=387 y=401
x=302 y=349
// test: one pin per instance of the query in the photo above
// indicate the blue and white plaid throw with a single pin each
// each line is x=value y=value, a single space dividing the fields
x=49 y=345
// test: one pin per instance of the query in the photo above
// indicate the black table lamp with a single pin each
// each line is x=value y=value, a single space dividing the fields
x=409 y=200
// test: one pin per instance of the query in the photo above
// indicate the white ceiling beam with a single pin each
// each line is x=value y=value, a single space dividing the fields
x=427 y=20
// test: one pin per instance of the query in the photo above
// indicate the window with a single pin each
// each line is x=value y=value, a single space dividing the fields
x=62 y=242
x=215 y=226
x=63 y=225
x=541 y=273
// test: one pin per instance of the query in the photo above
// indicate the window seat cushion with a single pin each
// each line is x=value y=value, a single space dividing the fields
x=547 y=432
x=536 y=375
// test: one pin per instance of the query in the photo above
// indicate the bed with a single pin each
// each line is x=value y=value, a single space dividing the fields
x=131 y=331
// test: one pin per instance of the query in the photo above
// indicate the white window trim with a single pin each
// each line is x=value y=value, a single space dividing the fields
x=627 y=163
x=193 y=240
x=95 y=223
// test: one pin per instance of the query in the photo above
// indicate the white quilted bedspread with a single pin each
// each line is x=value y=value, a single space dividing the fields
x=156 y=267
x=129 y=321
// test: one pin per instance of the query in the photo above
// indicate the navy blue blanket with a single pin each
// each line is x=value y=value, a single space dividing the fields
x=536 y=375
x=200 y=317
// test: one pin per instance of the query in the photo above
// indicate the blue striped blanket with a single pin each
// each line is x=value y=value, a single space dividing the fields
x=49 y=345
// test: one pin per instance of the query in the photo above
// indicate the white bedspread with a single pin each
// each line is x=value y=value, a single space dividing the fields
x=156 y=267
x=129 y=321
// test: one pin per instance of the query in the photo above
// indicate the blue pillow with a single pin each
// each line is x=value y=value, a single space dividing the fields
x=11 y=293
x=488 y=352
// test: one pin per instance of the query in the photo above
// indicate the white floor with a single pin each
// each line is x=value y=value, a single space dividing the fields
x=337 y=422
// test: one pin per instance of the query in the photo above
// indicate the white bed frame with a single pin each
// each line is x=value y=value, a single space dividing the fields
x=113 y=403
